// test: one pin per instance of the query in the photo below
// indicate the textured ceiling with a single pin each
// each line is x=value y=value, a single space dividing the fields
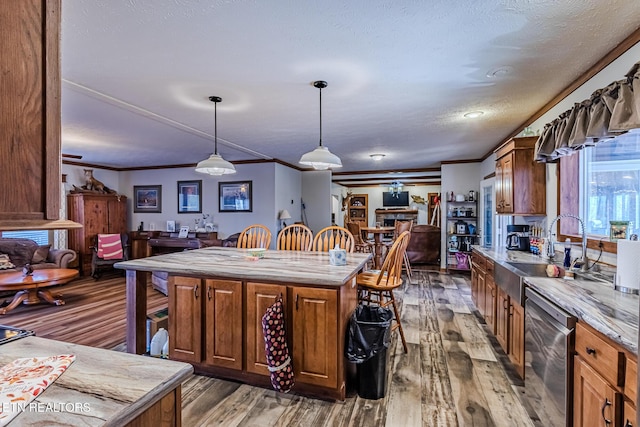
x=137 y=75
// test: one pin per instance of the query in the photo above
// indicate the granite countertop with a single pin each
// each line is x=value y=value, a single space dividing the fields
x=612 y=313
x=110 y=387
x=305 y=267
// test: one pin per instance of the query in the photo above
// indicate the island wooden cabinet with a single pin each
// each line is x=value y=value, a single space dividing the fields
x=490 y=298
x=315 y=336
x=185 y=319
x=520 y=181
x=216 y=325
x=260 y=296
x=223 y=323
x=483 y=288
x=205 y=321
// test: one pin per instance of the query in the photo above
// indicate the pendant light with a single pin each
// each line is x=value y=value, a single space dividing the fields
x=215 y=164
x=321 y=158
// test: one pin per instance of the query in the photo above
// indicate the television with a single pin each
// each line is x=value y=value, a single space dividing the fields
x=390 y=199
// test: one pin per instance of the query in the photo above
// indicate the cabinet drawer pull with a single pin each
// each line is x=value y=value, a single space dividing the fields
x=209 y=292
x=606 y=403
x=628 y=423
x=297 y=302
x=591 y=351
x=195 y=292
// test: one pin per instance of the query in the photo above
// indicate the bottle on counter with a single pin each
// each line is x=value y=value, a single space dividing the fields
x=567 y=253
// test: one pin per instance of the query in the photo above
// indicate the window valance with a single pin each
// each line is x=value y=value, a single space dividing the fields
x=609 y=112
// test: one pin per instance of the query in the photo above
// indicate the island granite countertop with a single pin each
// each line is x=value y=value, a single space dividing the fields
x=305 y=267
x=598 y=304
x=106 y=388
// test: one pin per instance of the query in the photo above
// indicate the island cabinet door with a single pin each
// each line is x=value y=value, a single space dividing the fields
x=260 y=296
x=516 y=336
x=490 y=303
x=223 y=323
x=185 y=319
x=315 y=336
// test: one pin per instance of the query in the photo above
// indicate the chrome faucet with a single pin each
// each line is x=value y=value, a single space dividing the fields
x=551 y=251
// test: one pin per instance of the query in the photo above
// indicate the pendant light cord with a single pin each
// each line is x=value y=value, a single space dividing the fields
x=320 y=117
x=215 y=125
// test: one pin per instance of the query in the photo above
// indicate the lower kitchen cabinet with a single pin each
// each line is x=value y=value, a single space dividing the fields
x=629 y=418
x=315 y=332
x=223 y=323
x=595 y=401
x=185 y=319
x=502 y=318
x=490 y=299
x=260 y=296
x=516 y=336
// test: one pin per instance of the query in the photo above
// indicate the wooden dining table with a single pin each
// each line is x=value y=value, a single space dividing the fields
x=378 y=248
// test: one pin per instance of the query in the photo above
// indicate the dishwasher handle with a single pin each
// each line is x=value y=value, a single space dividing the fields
x=567 y=320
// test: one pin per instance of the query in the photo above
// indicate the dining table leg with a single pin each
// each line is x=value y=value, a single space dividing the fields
x=377 y=257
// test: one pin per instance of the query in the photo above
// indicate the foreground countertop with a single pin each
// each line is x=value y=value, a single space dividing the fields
x=113 y=387
x=612 y=313
x=304 y=267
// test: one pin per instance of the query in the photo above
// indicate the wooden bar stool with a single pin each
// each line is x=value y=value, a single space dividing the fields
x=294 y=237
x=329 y=237
x=254 y=236
x=376 y=286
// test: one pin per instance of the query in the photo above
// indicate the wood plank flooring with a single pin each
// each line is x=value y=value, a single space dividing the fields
x=453 y=375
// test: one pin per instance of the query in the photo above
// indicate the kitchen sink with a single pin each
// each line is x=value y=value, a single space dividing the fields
x=530 y=268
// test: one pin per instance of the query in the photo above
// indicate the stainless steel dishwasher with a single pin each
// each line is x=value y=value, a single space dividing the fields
x=549 y=343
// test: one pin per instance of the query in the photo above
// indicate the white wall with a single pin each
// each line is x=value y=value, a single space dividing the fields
x=288 y=185
x=316 y=194
x=75 y=176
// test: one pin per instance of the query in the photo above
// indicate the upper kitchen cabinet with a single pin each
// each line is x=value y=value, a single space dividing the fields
x=520 y=181
x=30 y=119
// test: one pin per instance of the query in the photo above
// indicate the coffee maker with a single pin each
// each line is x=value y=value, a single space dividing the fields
x=518 y=237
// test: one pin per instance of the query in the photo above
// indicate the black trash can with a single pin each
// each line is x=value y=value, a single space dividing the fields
x=367 y=341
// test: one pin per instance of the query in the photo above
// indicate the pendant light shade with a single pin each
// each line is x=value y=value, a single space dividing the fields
x=320 y=158
x=215 y=164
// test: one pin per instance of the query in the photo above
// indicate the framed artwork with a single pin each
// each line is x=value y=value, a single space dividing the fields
x=147 y=198
x=190 y=196
x=171 y=226
x=235 y=196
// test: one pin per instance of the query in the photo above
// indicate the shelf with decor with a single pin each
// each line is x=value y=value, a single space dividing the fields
x=359 y=210
x=461 y=223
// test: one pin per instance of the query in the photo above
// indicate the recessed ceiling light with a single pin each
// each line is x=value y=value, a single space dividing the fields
x=473 y=114
x=498 y=72
x=377 y=156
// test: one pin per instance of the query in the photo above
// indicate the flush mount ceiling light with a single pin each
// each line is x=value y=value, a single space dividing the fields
x=473 y=114
x=215 y=164
x=320 y=158
x=498 y=72
x=376 y=157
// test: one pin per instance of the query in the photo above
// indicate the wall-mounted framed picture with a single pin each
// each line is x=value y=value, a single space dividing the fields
x=190 y=196
x=235 y=196
x=147 y=198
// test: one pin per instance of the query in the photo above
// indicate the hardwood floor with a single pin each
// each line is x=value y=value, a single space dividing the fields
x=453 y=374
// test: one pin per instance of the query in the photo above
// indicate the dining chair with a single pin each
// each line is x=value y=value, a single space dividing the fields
x=400 y=227
x=361 y=245
x=294 y=237
x=329 y=237
x=254 y=236
x=376 y=286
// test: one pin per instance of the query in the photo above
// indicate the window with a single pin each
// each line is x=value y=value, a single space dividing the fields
x=607 y=177
x=41 y=237
x=610 y=181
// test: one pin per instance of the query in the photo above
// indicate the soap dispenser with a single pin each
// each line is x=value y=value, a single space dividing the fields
x=567 y=253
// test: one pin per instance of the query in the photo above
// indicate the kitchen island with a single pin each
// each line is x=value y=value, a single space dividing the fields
x=217 y=297
x=102 y=387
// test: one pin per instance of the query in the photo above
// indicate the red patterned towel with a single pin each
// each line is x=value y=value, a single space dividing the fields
x=23 y=380
x=109 y=246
